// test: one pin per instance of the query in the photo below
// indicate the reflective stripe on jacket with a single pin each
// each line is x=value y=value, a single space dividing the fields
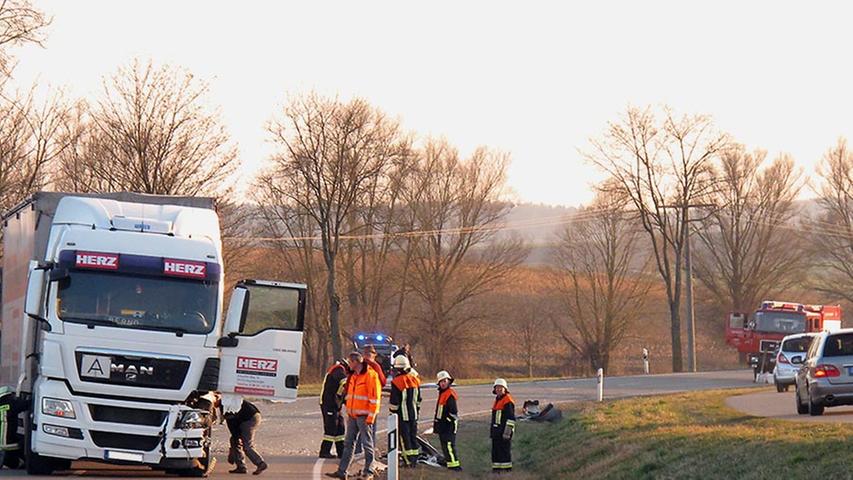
x=446 y=412
x=406 y=397
x=334 y=388
x=363 y=394
x=503 y=416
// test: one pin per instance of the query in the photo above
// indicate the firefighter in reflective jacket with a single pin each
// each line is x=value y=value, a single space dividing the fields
x=331 y=402
x=406 y=403
x=10 y=407
x=502 y=427
x=447 y=419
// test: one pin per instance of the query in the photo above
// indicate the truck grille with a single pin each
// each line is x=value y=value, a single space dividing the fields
x=162 y=373
x=125 y=441
x=132 y=416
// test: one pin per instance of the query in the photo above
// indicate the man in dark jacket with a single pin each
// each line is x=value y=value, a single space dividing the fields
x=10 y=407
x=446 y=419
x=405 y=401
x=502 y=427
x=242 y=426
x=331 y=401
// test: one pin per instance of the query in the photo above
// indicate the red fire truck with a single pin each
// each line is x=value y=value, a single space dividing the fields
x=771 y=323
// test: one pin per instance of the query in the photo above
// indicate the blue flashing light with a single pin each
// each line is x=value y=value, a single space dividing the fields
x=361 y=337
x=380 y=337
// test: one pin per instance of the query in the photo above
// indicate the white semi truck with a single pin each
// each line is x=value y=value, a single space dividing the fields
x=113 y=326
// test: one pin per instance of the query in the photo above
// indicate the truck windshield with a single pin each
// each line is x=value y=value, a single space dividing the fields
x=143 y=302
x=780 y=322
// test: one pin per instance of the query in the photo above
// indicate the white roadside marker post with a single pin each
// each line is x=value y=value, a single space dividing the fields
x=646 y=361
x=393 y=451
x=600 y=385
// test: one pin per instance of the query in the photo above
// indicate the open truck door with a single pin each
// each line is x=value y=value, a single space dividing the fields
x=261 y=349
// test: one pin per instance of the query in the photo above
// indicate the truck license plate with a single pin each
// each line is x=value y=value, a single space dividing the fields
x=125 y=456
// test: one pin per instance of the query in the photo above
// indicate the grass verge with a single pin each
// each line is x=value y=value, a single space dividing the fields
x=691 y=435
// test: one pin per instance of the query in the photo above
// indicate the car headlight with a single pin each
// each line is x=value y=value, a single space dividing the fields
x=57 y=408
x=193 y=419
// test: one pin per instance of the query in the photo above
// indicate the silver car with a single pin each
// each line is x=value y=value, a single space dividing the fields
x=825 y=377
x=785 y=373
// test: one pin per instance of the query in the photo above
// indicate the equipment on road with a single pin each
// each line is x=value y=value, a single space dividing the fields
x=531 y=412
x=114 y=329
x=772 y=321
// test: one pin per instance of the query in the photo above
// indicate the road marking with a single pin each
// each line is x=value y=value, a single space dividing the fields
x=318 y=468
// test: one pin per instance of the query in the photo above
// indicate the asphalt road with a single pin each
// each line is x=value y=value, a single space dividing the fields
x=780 y=406
x=290 y=434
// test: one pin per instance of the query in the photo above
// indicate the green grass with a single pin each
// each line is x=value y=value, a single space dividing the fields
x=692 y=435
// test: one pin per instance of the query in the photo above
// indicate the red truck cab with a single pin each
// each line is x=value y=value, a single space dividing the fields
x=774 y=320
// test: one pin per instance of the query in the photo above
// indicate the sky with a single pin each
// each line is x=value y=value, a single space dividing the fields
x=535 y=79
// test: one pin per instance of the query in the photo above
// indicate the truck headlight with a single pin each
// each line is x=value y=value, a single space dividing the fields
x=193 y=419
x=57 y=408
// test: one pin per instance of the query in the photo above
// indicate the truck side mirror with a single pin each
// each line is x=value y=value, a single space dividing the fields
x=58 y=274
x=235 y=317
x=35 y=290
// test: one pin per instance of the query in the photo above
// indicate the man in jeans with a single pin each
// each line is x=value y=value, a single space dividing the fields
x=363 y=395
x=369 y=354
x=242 y=426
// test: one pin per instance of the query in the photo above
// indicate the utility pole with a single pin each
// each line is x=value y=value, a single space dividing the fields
x=691 y=325
x=688 y=266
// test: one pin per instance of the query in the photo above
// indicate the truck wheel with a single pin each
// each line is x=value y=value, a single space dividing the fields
x=204 y=466
x=802 y=408
x=37 y=464
x=815 y=409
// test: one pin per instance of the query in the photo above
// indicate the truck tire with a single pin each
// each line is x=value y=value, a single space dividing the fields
x=815 y=409
x=204 y=466
x=802 y=408
x=36 y=464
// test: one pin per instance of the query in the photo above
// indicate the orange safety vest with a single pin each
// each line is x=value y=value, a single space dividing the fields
x=363 y=394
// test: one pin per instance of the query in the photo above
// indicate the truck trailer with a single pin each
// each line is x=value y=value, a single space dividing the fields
x=114 y=330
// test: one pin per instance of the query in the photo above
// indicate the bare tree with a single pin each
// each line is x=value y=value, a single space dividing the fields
x=455 y=207
x=152 y=133
x=290 y=236
x=599 y=277
x=663 y=165
x=20 y=23
x=749 y=251
x=833 y=239
x=32 y=135
x=375 y=270
x=334 y=151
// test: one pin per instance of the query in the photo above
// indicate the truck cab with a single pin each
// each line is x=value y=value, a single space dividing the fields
x=758 y=337
x=114 y=327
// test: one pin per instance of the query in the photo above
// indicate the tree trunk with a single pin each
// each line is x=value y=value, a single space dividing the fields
x=334 y=309
x=675 y=332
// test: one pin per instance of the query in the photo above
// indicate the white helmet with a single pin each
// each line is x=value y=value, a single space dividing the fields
x=500 y=382
x=443 y=375
x=402 y=362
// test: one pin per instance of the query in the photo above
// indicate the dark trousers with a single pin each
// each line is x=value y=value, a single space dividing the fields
x=448 y=446
x=245 y=442
x=501 y=454
x=333 y=432
x=409 y=439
